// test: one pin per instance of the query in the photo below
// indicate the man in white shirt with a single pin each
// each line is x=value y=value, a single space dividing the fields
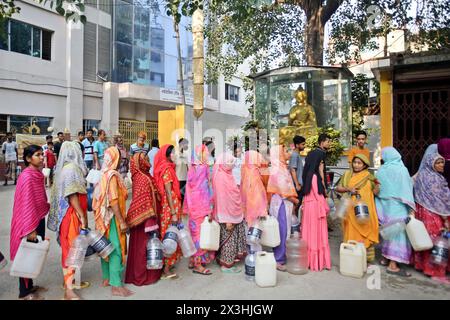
x=9 y=149
x=182 y=163
x=88 y=144
x=152 y=153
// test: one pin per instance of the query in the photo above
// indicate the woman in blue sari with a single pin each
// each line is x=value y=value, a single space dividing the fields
x=394 y=203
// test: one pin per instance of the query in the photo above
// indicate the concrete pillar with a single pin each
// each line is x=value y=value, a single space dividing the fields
x=74 y=77
x=110 y=113
x=386 y=112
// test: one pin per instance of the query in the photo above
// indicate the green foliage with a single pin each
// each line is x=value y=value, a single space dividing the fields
x=360 y=100
x=336 y=147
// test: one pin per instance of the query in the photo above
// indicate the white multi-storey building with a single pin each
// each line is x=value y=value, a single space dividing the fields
x=119 y=71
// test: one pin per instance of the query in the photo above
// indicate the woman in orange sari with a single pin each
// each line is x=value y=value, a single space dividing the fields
x=109 y=201
x=169 y=189
x=68 y=207
x=360 y=181
x=142 y=219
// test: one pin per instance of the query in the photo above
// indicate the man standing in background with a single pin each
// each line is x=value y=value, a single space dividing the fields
x=88 y=144
x=100 y=147
x=58 y=144
x=9 y=149
x=152 y=154
x=182 y=164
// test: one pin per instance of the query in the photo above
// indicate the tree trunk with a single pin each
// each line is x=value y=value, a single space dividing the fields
x=314 y=35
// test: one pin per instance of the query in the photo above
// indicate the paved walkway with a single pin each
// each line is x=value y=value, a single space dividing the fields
x=314 y=285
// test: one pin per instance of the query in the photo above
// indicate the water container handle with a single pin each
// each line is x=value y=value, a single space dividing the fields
x=352 y=242
x=39 y=239
x=349 y=246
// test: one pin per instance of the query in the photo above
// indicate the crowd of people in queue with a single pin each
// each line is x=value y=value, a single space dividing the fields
x=233 y=188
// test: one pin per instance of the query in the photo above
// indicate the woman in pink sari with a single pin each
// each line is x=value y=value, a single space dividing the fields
x=198 y=205
x=315 y=209
x=228 y=212
x=282 y=201
x=253 y=192
x=29 y=211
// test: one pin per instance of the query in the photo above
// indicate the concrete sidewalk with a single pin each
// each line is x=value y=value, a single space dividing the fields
x=314 y=285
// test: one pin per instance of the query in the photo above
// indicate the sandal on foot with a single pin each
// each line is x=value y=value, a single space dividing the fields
x=233 y=269
x=37 y=289
x=281 y=267
x=172 y=276
x=32 y=296
x=83 y=285
x=401 y=273
x=205 y=272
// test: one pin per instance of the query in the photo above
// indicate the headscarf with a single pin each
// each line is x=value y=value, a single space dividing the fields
x=69 y=179
x=253 y=192
x=444 y=150
x=162 y=164
x=227 y=198
x=197 y=198
x=394 y=178
x=348 y=174
x=280 y=180
x=431 y=189
x=143 y=203
x=432 y=149
x=311 y=168
x=30 y=206
x=100 y=201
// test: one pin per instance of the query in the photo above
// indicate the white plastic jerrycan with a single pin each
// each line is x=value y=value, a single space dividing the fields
x=270 y=236
x=351 y=260
x=209 y=235
x=363 y=249
x=265 y=269
x=417 y=234
x=30 y=258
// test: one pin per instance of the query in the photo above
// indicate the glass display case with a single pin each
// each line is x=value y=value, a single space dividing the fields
x=298 y=100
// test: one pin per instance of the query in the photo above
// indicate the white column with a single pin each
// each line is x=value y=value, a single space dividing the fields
x=110 y=113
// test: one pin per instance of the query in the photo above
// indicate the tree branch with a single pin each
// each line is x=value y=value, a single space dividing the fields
x=329 y=9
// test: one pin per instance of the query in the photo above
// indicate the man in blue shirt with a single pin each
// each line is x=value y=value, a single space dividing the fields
x=152 y=153
x=296 y=167
x=88 y=144
x=140 y=146
x=100 y=147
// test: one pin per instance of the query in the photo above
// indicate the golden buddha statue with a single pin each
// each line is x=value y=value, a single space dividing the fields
x=302 y=119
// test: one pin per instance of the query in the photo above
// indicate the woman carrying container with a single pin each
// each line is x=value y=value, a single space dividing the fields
x=142 y=219
x=394 y=203
x=169 y=189
x=68 y=207
x=109 y=206
x=283 y=199
x=198 y=205
x=432 y=197
x=253 y=191
x=228 y=212
x=29 y=211
x=360 y=181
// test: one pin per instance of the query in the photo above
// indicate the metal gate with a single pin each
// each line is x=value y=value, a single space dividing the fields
x=130 y=129
x=421 y=117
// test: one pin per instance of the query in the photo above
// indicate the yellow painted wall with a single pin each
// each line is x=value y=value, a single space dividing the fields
x=168 y=122
x=386 y=111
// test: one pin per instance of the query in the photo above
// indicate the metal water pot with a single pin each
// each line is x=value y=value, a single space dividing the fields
x=361 y=210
